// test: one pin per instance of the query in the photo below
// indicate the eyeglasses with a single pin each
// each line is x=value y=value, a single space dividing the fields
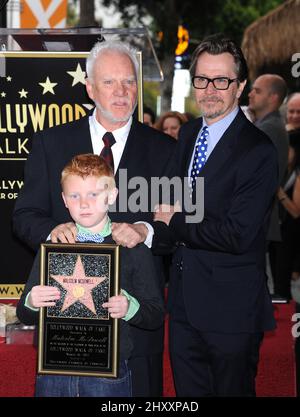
x=220 y=83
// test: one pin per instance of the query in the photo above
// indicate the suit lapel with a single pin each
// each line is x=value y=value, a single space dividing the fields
x=224 y=147
x=131 y=151
x=81 y=138
x=189 y=144
x=133 y=154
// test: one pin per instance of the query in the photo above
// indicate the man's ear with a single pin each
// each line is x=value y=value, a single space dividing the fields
x=64 y=198
x=112 y=196
x=274 y=98
x=241 y=88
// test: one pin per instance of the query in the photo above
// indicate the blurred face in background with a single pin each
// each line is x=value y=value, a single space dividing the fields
x=259 y=96
x=171 y=126
x=148 y=119
x=293 y=112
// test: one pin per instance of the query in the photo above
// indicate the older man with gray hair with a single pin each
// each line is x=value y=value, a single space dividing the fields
x=111 y=131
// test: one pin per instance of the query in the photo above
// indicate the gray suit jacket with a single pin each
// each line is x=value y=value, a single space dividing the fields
x=273 y=125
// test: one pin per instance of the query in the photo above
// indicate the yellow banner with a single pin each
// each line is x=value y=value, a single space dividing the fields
x=11 y=290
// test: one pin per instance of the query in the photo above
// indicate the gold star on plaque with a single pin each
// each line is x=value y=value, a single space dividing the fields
x=79 y=287
x=3 y=94
x=23 y=93
x=78 y=75
x=48 y=86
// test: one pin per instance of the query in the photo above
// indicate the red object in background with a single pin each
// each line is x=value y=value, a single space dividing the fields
x=17 y=367
x=276 y=373
x=276 y=370
x=17 y=370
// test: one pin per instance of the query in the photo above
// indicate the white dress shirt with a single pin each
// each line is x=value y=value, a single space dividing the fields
x=215 y=132
x=120 y=135
x=97 y=131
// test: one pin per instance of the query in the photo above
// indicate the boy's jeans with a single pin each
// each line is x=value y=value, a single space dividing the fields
x=84 y=386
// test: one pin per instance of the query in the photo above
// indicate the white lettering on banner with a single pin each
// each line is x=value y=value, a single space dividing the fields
x=14 y=149
x=11 y=184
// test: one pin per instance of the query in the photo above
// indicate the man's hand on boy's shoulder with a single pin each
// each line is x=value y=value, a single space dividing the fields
x=129 y=235
x=64 y=233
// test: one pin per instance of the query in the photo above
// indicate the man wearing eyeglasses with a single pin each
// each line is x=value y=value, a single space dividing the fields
x=218 y=298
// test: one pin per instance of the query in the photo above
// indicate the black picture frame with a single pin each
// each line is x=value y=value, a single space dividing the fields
x=77 y=336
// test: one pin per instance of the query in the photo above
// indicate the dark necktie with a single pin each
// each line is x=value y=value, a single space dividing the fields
x=106 y=153
x=200 y=156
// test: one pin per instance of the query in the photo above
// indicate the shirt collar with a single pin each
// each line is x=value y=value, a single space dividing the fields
x=120 y=134
x=106 y=231
x=218 y=128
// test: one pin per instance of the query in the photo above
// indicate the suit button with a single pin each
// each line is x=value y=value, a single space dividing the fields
x=180 y=265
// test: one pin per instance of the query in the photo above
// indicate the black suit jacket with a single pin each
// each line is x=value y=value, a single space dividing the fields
x=39 y=207
x=221 y=260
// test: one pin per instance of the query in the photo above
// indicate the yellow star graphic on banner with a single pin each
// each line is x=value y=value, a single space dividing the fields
x=23 y=93
x=3 y=94
x=78 y=75
x=48 y=86
x=8 y=78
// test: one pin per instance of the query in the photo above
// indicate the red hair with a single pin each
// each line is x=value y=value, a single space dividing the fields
x=85 y=165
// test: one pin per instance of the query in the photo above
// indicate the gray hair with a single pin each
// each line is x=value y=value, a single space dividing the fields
x=111 y=46
x=218 y=44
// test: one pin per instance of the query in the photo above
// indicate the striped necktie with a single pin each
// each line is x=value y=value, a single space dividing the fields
x=106 y=153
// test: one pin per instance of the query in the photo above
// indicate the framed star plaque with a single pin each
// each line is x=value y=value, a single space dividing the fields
x=76 y=335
